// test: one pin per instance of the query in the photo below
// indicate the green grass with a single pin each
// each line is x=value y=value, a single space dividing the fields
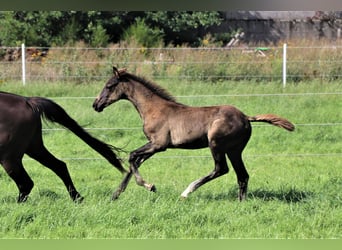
x=295 y=178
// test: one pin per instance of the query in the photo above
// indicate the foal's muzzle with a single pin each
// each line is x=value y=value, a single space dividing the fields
x=98 y=106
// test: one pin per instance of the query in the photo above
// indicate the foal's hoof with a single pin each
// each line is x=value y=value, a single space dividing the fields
x=116 y=195
x=151 y=188
x=183 y=198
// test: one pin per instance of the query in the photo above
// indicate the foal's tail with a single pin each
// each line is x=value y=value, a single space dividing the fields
x=274 y=120
x=55 y=113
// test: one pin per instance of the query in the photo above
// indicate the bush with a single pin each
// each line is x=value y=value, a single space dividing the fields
x=98 y=36
x=143 y=34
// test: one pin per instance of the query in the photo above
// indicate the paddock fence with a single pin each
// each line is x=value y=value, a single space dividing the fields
x=137 y=130
x=284 y=63
x=81 y=64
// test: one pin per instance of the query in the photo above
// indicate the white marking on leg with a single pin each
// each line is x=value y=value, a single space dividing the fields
x=189 y=189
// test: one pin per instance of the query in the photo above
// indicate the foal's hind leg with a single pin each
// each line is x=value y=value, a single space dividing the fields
x=42 y=155
x=16 y=171
x=221 y=168
x=241 y=173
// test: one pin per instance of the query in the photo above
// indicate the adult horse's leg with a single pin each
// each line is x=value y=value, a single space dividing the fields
x=16 y=171
x=221 y=168
x=42 y=155
x=241 y=172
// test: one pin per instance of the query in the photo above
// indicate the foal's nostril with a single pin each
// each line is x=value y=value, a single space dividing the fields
x=98 y=107
x=95 y=104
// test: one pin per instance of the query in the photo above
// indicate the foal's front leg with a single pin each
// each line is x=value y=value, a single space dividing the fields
x=136 y=158
x=122 y=186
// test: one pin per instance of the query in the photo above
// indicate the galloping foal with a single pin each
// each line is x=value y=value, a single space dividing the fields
x=169 y=124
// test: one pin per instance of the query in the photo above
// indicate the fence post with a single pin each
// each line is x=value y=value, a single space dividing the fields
x=23 y=59
x=284 y=64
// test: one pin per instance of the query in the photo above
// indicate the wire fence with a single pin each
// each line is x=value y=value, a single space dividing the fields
x=82 y=64
x=215 y=96
x=138 y=129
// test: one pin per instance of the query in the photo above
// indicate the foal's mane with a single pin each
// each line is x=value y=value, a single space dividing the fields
x=155 y=88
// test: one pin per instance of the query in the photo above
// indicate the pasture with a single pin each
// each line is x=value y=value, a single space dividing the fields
x=295 y=178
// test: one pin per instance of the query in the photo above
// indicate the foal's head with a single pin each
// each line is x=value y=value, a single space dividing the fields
x=111 y=92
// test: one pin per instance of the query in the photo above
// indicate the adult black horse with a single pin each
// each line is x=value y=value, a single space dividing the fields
x=169 y=124
x=21 y=133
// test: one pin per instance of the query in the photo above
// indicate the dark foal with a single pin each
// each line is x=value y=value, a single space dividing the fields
x=169 y=124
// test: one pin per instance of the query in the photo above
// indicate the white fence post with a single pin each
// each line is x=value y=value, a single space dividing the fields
x=23 y=59
x=284 y=65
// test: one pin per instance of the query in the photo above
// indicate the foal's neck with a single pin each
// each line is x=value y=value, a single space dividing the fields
x=145 y=100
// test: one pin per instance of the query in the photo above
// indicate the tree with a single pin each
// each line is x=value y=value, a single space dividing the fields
x=183 y=26
x=98 y=28
x=34 y=28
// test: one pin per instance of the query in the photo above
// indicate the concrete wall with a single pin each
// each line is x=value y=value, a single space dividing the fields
x=271 y=27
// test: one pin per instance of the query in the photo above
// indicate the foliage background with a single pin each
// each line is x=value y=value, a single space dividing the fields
x=98 y=28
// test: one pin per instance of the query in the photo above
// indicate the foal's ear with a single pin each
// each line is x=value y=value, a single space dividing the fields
x=117 y=72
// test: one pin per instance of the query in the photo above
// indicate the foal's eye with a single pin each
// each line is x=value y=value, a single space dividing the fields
x=111 y=84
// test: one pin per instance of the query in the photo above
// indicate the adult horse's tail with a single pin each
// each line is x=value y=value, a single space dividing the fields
x=55 y=113
x=274 y=120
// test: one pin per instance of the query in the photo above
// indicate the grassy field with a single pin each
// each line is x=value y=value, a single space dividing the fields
x=295 y=178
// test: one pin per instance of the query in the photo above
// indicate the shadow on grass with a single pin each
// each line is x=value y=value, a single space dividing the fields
x=50 y=194
x=290 y=195
x=42 y=194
